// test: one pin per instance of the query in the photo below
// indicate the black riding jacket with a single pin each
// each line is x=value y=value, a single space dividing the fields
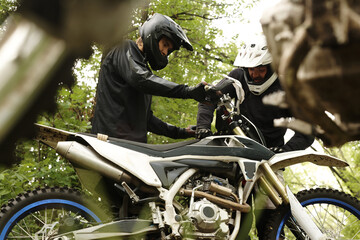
x=123 y=97
x=260 y=114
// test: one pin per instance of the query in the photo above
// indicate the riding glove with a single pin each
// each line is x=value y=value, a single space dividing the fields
x=197 y=92
x=203 y=133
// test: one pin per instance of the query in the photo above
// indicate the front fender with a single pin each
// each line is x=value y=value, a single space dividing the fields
x=282 y=160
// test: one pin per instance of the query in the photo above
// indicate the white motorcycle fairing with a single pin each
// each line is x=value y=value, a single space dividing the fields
x=139 y=164
x=141 y=161
x=134 y=162
x=283 y=160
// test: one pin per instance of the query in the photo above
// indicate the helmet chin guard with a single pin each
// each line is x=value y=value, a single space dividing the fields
x=258 y=89
x=153 y=30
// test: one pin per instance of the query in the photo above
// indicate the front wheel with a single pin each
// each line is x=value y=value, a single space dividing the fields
x=335 y=213
x=45 y=212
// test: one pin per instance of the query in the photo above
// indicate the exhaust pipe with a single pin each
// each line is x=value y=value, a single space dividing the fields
x=89 y=159
x=220 y=201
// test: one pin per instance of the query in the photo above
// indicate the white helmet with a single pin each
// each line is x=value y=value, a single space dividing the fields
x=255 y=54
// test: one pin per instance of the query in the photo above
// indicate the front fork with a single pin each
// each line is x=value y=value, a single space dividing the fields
x=236 y=129
x=279 y=194
x=273 y=187
x=269 y=182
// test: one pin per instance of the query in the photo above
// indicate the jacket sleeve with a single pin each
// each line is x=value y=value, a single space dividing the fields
x=205 y=115
x=298 y=142
x=206 y=111
x=157 y=126
x=137 y=73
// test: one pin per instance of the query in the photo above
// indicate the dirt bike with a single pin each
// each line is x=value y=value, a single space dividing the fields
x=196 y=189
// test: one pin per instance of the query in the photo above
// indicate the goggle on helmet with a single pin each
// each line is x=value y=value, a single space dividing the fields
x=252 y=55
x=151 y=32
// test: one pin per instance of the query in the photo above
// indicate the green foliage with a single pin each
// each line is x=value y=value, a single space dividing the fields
x=206 y=63
x=209 y=60
x=41 y=165
x=86 y=71
x=6 y=7
x=308 y=175
x=74 y=109
x=350 y=176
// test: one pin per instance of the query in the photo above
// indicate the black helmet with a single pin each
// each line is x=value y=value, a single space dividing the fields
x=151 y=32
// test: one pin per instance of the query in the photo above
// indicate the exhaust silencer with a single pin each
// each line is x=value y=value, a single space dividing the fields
x=89 y=159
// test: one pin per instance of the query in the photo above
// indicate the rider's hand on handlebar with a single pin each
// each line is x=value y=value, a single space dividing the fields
x=191 y=131
x=203 y=133
x=212 y=94
x=197 y=92
x=203 y=92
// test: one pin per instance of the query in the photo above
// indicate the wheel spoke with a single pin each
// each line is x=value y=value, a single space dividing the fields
x=41 y=213
x=37 y=218
x=26 y=227
x=329 y=211
x=42 y=221
x=25 y=230
x=45 y=216
x=27 y=233
x=317 y=215
x=358 y=232
x=52 y=214
x=326 y=213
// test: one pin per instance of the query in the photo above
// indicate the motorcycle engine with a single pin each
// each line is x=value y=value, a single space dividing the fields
x=206 y=219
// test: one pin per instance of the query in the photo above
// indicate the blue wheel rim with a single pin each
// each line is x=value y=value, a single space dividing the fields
x=335 y=202
x=42 y=203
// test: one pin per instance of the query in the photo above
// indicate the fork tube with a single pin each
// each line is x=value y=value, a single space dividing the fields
x=270 y=191
x=237 y=130
x=274 y=181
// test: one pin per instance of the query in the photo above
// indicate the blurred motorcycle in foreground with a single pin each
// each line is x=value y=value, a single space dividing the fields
x=315 y=47
x=42 y=41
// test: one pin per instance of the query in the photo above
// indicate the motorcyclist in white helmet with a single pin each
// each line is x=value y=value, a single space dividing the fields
x=255 y=60
x=257 y=79
x=254 y=72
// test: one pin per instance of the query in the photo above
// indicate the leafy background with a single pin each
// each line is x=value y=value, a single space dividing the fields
x=40 y=166
x=212 y=57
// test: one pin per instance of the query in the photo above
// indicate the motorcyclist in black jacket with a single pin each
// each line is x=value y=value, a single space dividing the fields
x=126 y=83
x=257 y=80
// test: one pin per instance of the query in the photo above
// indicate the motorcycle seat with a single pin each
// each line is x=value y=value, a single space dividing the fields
x=154 y=147
x=204 y=147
